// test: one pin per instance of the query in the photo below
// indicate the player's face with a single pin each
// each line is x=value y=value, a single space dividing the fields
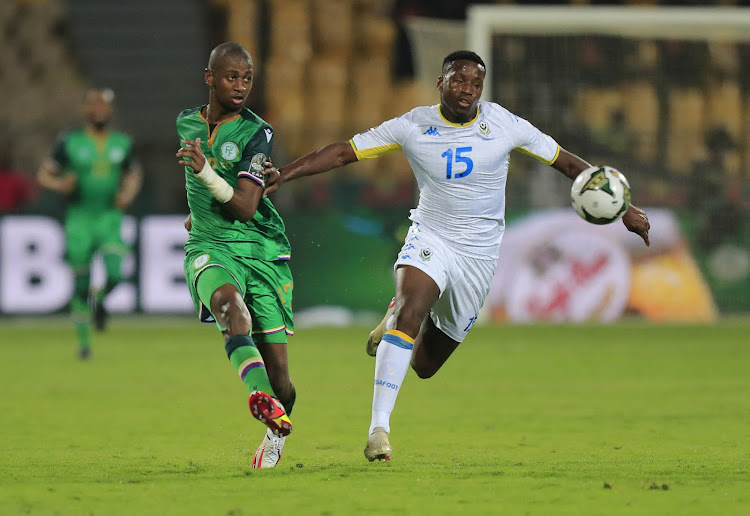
x=460 y=89
x=97 y=109
x=231 y=82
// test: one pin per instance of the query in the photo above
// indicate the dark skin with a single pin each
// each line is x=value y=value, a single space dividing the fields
x=230 y=78
x=460 y=88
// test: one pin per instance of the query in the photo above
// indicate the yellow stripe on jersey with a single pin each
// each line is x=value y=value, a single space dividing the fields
x=440 y=112
x=557 y=153
x=375 y=151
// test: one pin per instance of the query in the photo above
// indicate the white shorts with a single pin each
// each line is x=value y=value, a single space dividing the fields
x=464 y=282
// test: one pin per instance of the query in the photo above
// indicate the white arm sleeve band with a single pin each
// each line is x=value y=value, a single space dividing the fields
x=219 y=188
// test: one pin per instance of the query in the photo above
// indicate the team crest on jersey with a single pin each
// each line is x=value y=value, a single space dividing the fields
x=425 y=254
x=484 y=129
x=201 y=261
x=229 y=151
x=116 y=155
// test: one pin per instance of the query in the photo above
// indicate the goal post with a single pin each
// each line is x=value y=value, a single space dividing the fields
x=728 y=24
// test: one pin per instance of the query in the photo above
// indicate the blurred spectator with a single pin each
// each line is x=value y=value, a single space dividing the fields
x=616 y=137
x=16 y=189
x=714 y=196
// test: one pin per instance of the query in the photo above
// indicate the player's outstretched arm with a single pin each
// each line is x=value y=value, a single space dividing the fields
x=635 y=219
x=333 y=155
x=49 y=177
x=241 y=201
x=129 y=187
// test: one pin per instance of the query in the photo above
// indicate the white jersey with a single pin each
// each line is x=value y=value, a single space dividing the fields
x=461 y=169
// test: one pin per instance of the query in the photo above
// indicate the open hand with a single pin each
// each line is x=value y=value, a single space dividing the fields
x=273 y=177
x=192 y=150
x=636 y=220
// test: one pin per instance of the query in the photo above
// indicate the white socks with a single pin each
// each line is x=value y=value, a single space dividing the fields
x=391 y=365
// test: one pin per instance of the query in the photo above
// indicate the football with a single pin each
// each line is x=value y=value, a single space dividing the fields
x=600 y=194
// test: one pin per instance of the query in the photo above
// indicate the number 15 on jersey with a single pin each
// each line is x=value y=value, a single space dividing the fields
x=457 y=156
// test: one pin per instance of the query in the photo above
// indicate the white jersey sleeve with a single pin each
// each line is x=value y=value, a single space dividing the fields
x=386 y=138
x=534 y=142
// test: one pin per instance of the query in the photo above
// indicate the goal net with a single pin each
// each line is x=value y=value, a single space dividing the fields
x=656 y=91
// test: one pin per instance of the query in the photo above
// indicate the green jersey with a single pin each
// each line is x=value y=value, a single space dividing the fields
x=233 y=148
x=98 y=163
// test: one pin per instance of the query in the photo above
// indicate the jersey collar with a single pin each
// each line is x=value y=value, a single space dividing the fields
x=212 y=135
x=440 y=112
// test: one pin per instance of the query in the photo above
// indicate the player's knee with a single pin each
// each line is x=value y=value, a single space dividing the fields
x=423 y=371
x=230 y=311
x=408 y=319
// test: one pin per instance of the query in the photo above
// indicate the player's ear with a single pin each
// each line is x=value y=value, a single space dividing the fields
x=440 y=81
x=209 y=76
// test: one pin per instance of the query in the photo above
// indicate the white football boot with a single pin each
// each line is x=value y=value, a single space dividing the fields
x=378 y=447
x=268 y=453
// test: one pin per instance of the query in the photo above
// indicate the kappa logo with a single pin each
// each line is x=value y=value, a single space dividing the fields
x=409 y=247
x=269 y=134
x=201 y=261
x=425 y=254
x=432 y=131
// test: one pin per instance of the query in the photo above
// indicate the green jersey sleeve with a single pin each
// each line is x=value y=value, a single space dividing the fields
x=256 y=152
x=60 y=152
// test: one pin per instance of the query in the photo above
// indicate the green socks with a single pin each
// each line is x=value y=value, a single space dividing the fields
x=246 y=359
x=81 y=316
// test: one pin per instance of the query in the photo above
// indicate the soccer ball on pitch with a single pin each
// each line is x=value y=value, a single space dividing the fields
x=600 y=194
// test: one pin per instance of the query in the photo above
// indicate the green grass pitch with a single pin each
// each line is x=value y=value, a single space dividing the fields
x=629 y=419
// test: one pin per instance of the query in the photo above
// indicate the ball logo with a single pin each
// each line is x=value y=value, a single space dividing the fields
x=425 y=254
x=598 y=181
x=229 y=151
x=200 y=261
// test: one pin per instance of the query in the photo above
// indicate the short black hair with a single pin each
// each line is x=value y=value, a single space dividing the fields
x=227 y=49
x=459 y=55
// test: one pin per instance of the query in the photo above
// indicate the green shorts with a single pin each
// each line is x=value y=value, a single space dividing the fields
x=86 y=233
x=266 y=287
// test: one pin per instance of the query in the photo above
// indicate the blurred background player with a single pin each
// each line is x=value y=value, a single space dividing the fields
x=459 y=151
x=94 y=168
x=237 y=252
